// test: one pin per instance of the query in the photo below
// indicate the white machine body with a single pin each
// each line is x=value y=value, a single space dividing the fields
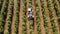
x=30 y=13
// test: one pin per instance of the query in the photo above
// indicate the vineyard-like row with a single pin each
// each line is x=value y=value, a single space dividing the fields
x=14 y=17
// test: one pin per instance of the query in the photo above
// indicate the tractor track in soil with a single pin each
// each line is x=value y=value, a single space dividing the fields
x=48 y=17
x=5 y=25
x=55 y=16
x=27 y=22
x=35 y=26
x=20 y=17
x=13 y=18
x=41 y=18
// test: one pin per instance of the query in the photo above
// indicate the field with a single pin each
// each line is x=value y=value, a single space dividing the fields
x=14 y=17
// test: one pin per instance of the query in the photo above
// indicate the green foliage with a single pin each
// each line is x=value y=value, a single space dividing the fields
x=52 y=17
x=57 y=8
x=30 y=4
x=31 y=24
x=7 y=32
x=16 y=18
x=9 y=19
x=45 y=16
x=3 y=15
x=24 y=19
x=0 y=4
x=3 y=9
x=38 y=17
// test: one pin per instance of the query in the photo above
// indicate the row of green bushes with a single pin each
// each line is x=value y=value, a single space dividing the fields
x=38 y=17
x=31 y=24
x=3 y=15
x=45 y=16
x=16 y=17
x=30 y=4
x=0 y=4
x=55 y=31
x=9 y=17
x=57 y=8
x=24 y=18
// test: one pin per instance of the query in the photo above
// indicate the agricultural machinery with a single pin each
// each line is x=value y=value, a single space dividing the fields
x=30 y=14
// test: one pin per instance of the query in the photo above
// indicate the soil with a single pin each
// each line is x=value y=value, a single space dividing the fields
x=48 y=17
x=2 y=1
x=43 y=31
x=41 y=18
x=27 y=22
x=35 y=26
x=56 y=18
x=59 y=2
x=20 y=17
x=12 y=26
x=5 y=26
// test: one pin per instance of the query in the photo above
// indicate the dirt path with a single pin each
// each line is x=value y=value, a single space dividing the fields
x=5 y=26
x=12 y=26
x=27 y=22
x=55 y=16
x=35 y=26
x=41 y=18
x=48 y=17
x=20 y=17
